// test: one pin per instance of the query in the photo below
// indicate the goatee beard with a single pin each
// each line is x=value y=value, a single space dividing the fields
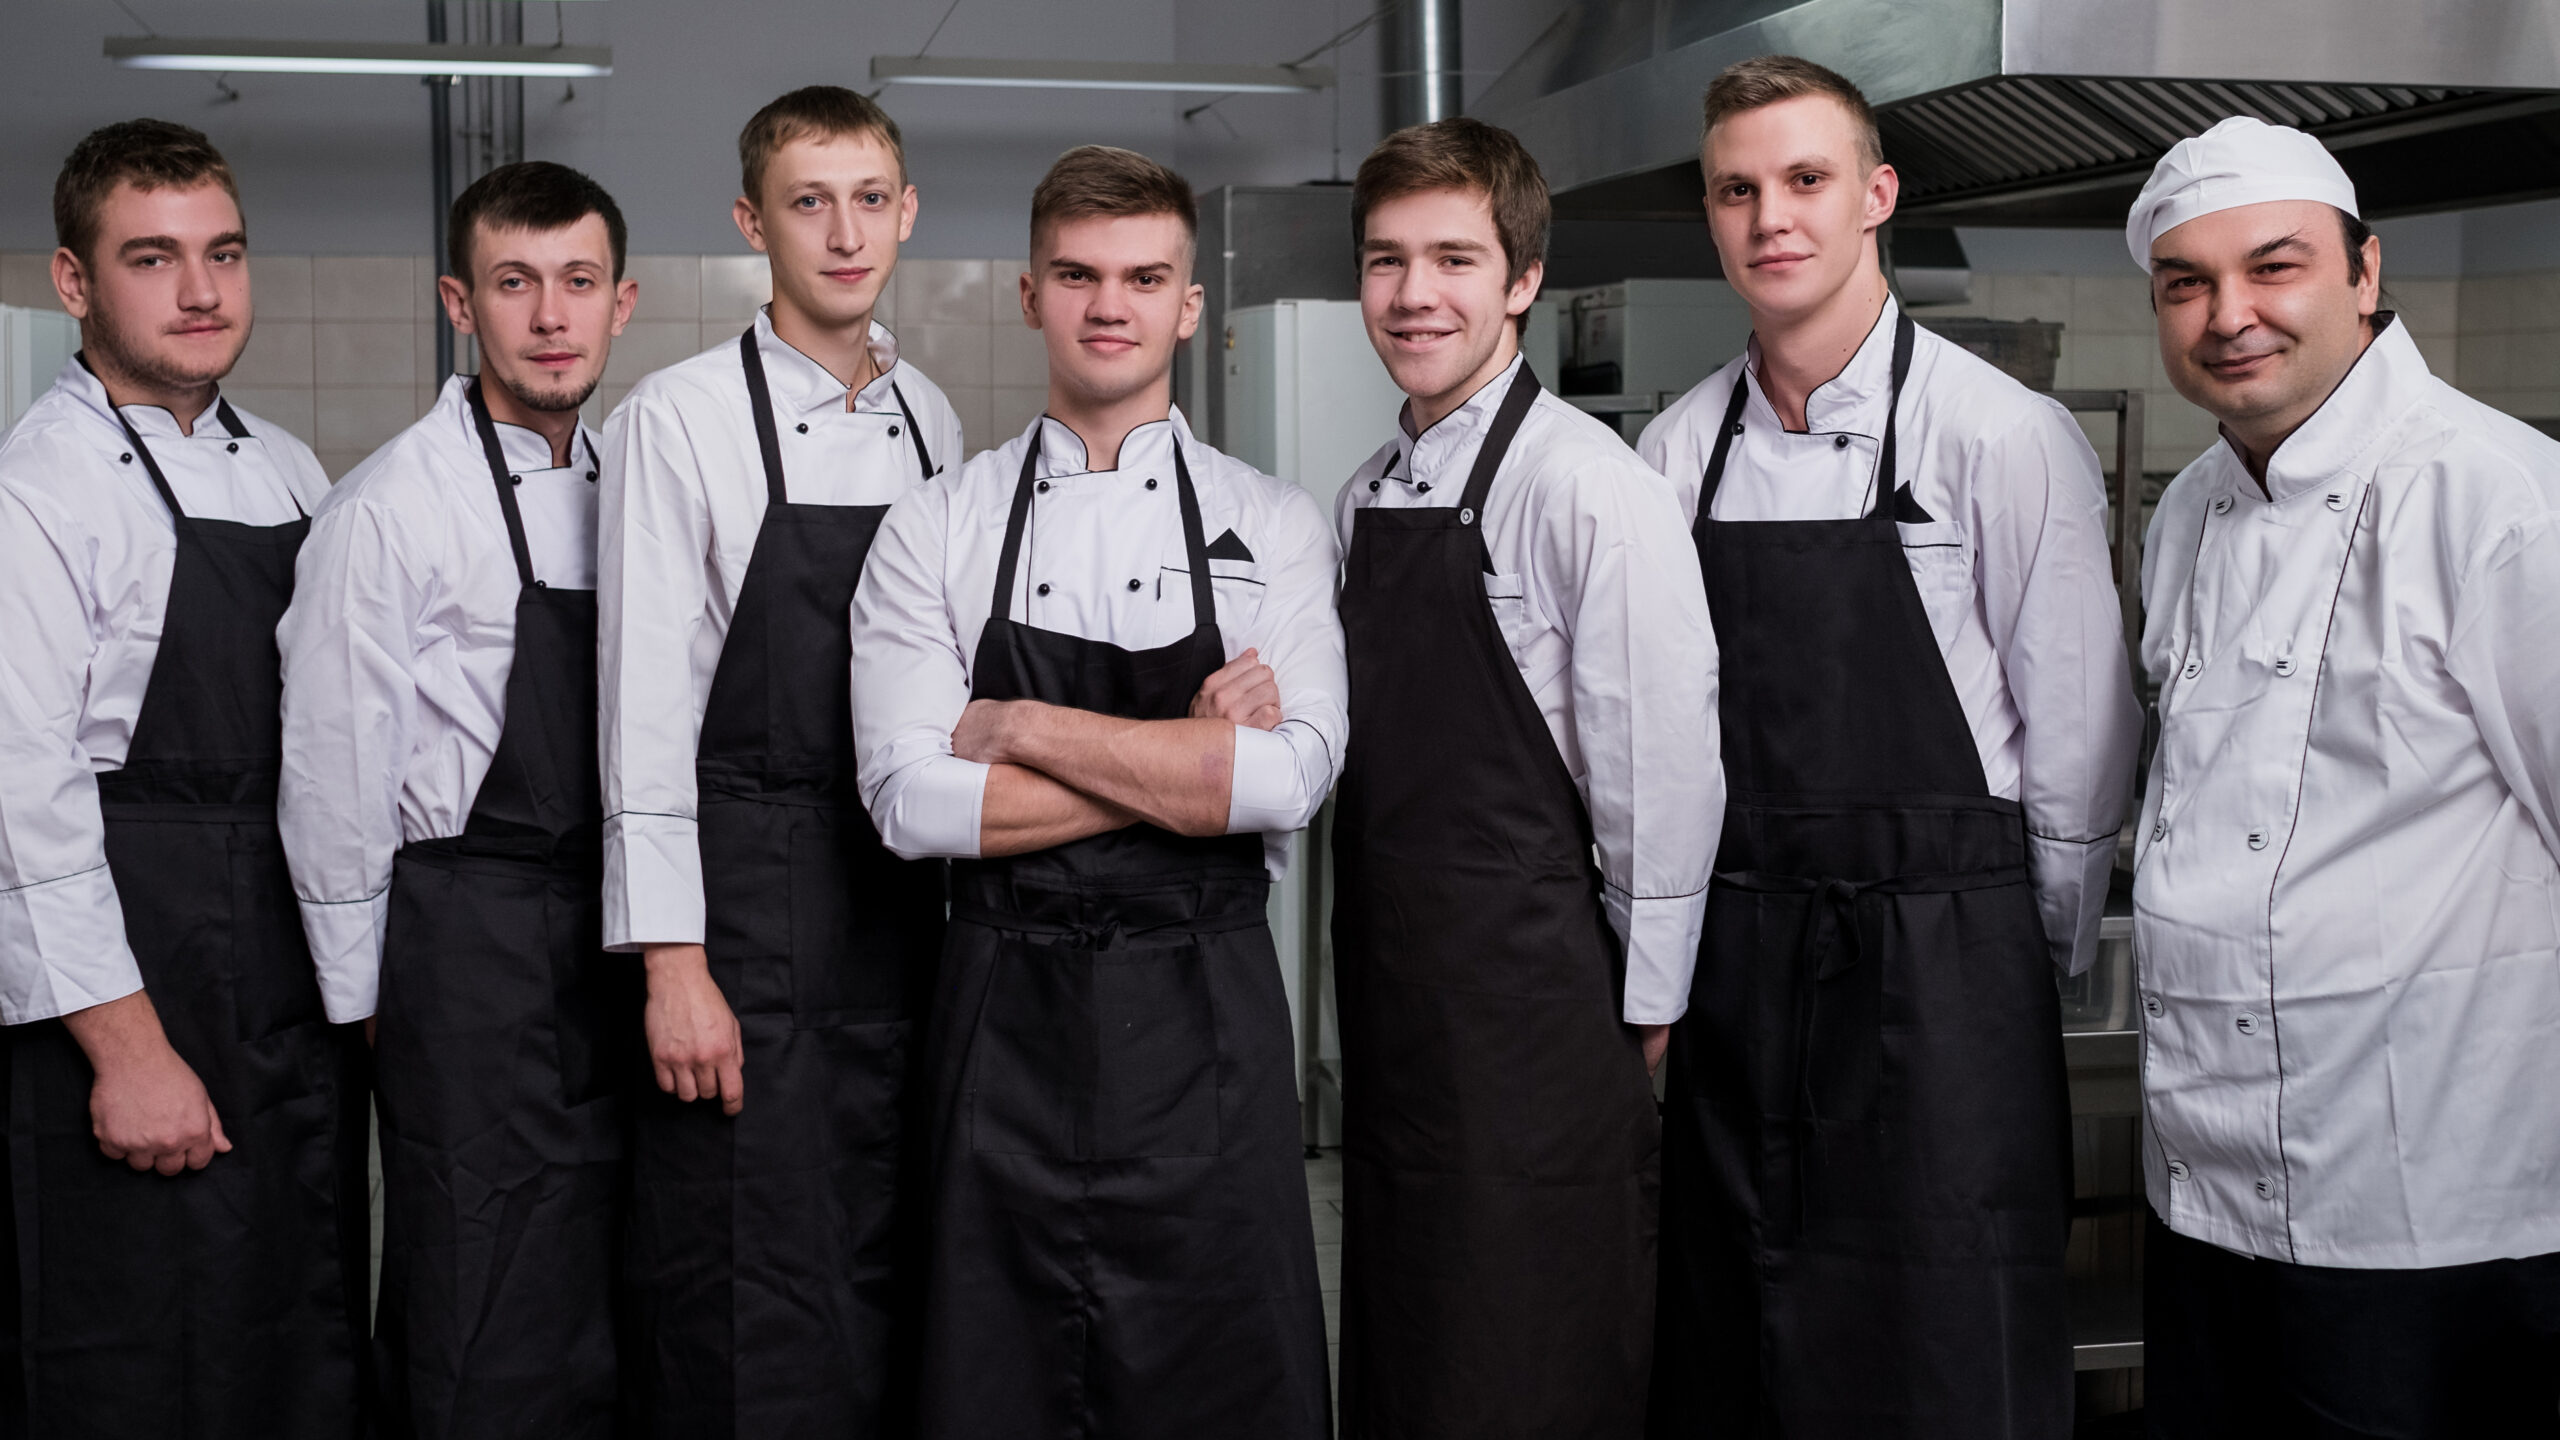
x=552 y=402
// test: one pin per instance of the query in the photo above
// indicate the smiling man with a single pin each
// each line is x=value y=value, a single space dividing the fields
x=441 y=815
x=2347 y=902
x=1100 y=670
x=1527 y=821
x=786 y=952
x=1929 y=732
x=162 y=1011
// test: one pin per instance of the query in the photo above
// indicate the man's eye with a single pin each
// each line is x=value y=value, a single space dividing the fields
x=807 y=202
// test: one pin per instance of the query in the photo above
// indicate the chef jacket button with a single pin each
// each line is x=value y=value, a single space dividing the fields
x=127 y=457
x=2257 y=839
x=2222 y=505
x=233 y=447
x=1133 y=585
x=2177 y=1169
x=893 y=432
x=541 y=584
x=1840 y=442
x=2266 y=1189
x=2194 y=669
x=515 y=479
x=2337 y=500
x=1044 y=589
x=2246 y=1023
x=1422 y=489
x=2159 y=828
x=591 y=474
x=2151 y=1006
x=2284 y=666
x=802 y=427
x=1372 y=484
x=1737 y=427
x=1042 y=487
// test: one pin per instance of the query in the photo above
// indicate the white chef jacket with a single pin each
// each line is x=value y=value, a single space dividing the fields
x=86 y=546
x=1102 y=559
x=2346 y=906
x=2013 y=569
x=682 y=501
x=396 y=654
x=1597 y=593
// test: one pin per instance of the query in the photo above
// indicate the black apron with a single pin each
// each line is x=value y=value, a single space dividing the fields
x=771 y=1261
x=1499 y=1139
x=228 y=1301
x=1867 y=1170
x=1121 y=1242
x=504 y=1050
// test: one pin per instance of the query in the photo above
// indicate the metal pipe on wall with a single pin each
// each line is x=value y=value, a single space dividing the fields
x=1419 y=73
x=440 y=142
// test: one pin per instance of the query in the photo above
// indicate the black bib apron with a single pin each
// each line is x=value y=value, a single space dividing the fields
x=504 y=1050
x=1499 y=1139
x=1867 y=1172
x=771 y=1256
x=228 y=1301
x=1121 y=1243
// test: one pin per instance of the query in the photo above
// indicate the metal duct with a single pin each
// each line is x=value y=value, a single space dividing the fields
x=1419 y=76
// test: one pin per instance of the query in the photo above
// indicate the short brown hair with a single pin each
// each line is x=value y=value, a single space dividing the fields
x=529 y=195
x=828 y=112
x=151 y=154
x=1768 y=79
x=1461 y=154
x=1107 y=180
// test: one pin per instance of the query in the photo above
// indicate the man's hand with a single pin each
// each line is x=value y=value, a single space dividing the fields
x=146 y=1106
x=694 y=1042
x=1657 y=1038
x=1241 y=692
x=982 y=730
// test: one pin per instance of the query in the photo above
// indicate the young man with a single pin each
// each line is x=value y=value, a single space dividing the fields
x=783 y=946
x=1532 y=678
x=2346 y=896
x=1100 y=668
x=1929 y=730
x=441 y=815
x=186 y=1129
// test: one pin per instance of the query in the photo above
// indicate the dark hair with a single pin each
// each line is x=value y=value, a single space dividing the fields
x=828 y=112
x=1768 y=79
x=151 y=154
x=528 y=195
x=1461 y=154
x=1106 y=180
x=2355 y=232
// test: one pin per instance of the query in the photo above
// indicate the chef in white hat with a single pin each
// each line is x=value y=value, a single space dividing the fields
x=2347 y=905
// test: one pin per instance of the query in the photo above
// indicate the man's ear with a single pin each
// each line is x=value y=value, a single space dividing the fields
x=1884 y=195
x=456 y=295
x=1524 y=291
x=1194 y=301
x=750 y=222
x=71 y=284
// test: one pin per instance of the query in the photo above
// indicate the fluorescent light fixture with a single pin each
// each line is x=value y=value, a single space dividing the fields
x=1100 y=75
x=325 y=57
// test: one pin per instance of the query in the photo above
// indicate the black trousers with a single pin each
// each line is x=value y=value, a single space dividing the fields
x=2239 y=1346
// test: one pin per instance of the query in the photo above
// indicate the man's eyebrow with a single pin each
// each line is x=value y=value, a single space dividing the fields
x=2171 y=262
x=1796 y=166
x=2293 y=241
x=148 y=242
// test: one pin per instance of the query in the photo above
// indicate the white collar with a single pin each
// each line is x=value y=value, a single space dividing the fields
x=2379 y=389
x=1424 y=458
x=150 y=421
x=1854 y=400
x=525 y=450
x=802 y=386
x=1149 y=446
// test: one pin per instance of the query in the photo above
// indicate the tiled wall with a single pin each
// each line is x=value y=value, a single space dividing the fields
x=2109 y=343
x=343 y=352
x=344 y=349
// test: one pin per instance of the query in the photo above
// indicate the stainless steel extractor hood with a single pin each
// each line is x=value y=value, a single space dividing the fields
x=2050 y=112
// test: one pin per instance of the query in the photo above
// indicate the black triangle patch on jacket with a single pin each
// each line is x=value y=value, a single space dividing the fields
x=1229 y=547
x=1905 y=509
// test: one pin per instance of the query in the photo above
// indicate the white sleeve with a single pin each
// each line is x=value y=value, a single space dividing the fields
x=653 y=579
x=1282 y=775
x=2500 y=653
x=910 y=683
x=1616 y=569
x=349 y=647
x=62 y=938
x=2049 y=604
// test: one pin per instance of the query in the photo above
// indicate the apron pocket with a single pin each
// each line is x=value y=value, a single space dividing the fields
x=1086 y=1055
x=273 y=985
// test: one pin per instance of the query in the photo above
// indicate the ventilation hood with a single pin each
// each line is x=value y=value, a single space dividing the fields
x=2051 y=112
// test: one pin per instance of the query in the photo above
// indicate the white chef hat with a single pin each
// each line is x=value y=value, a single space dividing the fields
x=2242 y=161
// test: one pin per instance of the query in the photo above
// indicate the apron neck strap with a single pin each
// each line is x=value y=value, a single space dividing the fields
x=1497 y=443
x=497 y=457
x=915 y=432
x=1904 y=335
x=1195 y=546
x=223 y=415
x=760 y=403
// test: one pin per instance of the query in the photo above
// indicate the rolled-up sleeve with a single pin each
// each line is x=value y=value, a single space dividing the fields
x=1615 y=565
x=653 y=581
x=62 y=937
x=349 y=650
x=910 y=683
x=1282 y=775
x=2050 y=606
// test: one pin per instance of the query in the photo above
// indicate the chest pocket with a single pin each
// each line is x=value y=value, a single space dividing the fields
x=1521 y=630
x=1235 y=584
x=1941 y=560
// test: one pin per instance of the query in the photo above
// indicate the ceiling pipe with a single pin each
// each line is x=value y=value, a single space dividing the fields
x=1419 y=75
